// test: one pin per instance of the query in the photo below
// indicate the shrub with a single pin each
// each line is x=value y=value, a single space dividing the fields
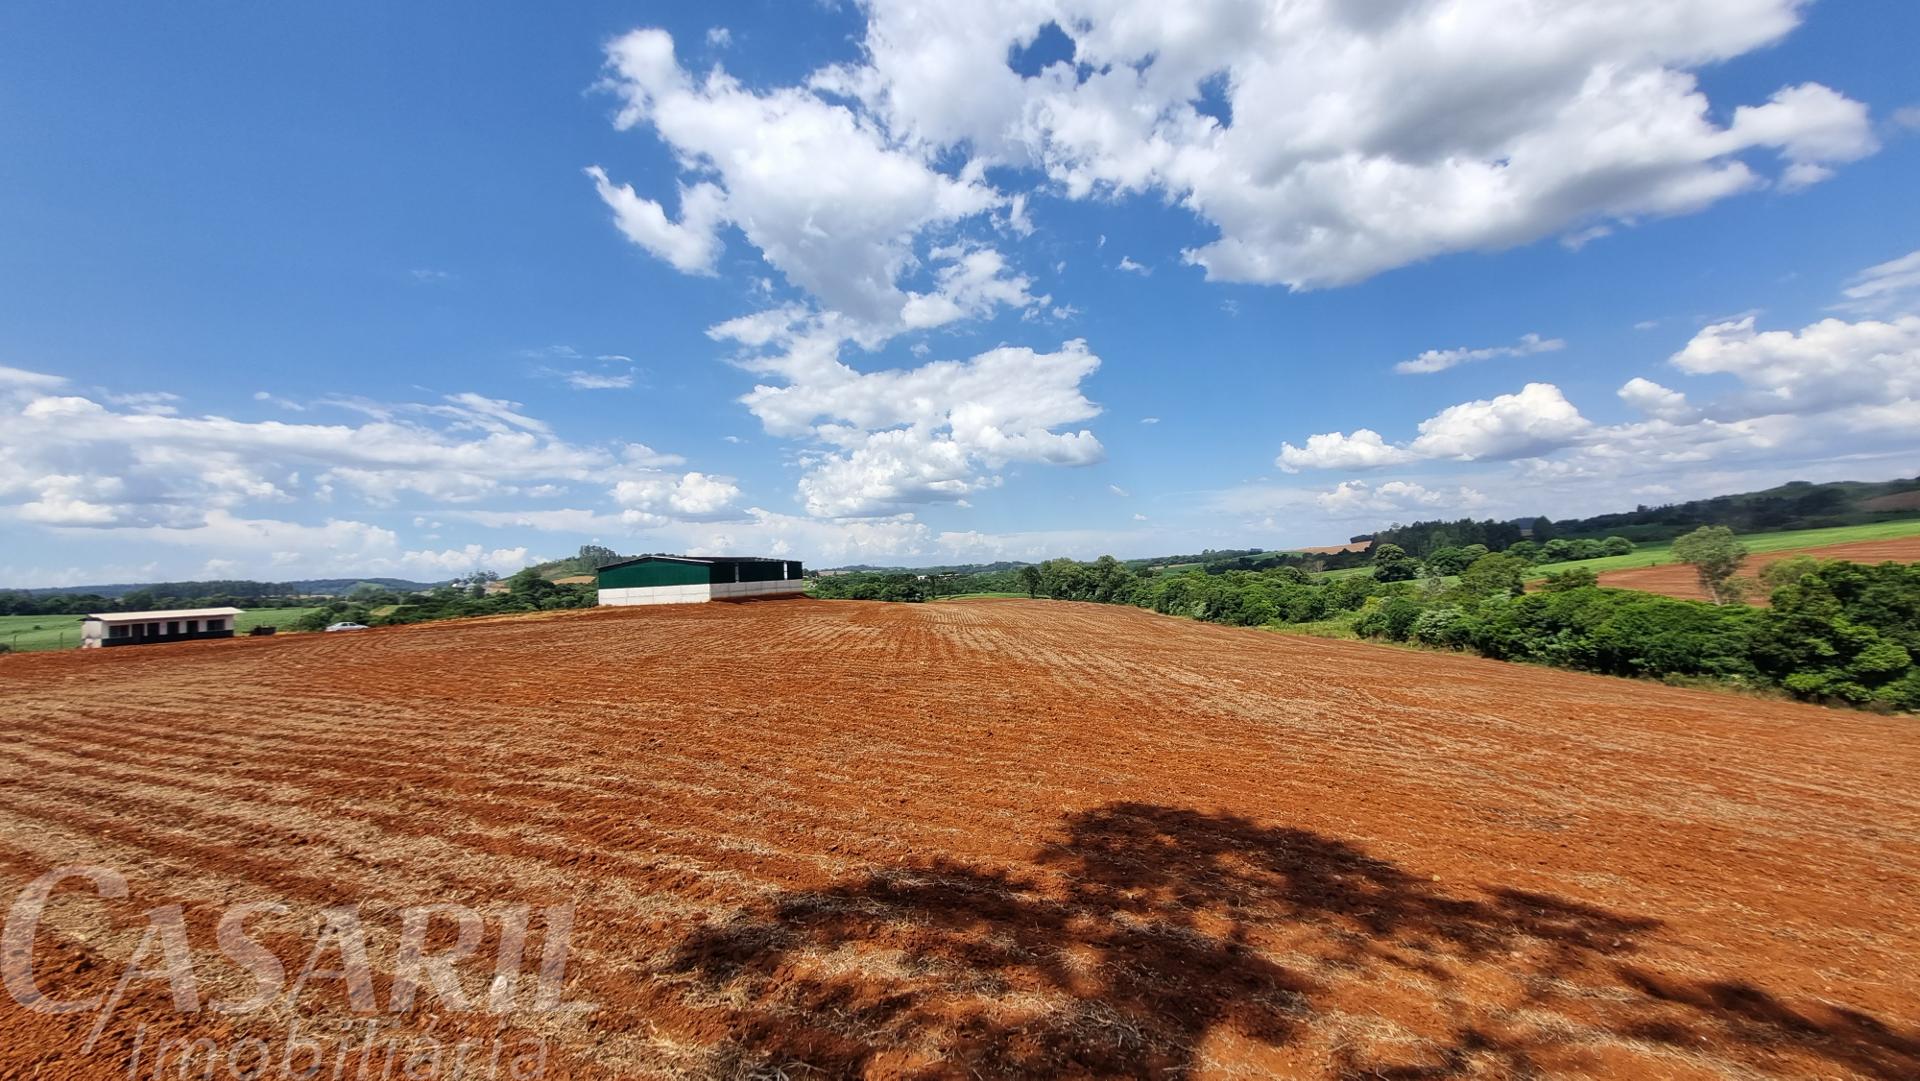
x=1391 y=618
x=1302 y=604
x=1348 y=594
x=1446 y=626
x=1495 y=575
x=1571 y=578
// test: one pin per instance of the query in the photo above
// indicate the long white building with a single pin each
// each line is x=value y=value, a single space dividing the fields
x=143 y=628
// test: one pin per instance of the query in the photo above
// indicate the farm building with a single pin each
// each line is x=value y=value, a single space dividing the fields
x=693 y=579
x=142 y=628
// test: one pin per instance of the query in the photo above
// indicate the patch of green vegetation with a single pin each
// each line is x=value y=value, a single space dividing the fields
x=281 y=618
x=1341 y=627
x=970 y=596
x=590 y=558
x=29 y=634
x=25 y=634
x=1837 y=632
x=1653 y=555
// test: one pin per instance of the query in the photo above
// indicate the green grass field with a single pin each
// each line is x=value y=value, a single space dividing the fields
x=1648 y=555
x=970 y=596
x=25 y=634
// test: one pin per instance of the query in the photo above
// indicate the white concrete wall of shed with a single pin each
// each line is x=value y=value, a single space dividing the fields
x=695 y=594
x=776 y=588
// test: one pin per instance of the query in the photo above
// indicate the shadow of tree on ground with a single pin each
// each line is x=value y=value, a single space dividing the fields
x=1149 y=931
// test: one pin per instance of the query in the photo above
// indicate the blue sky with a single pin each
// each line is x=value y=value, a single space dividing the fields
x=290 y=292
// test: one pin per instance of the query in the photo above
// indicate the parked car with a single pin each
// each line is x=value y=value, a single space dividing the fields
x=346 y=626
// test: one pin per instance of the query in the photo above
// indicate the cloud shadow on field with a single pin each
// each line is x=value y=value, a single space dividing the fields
x=1148 y=930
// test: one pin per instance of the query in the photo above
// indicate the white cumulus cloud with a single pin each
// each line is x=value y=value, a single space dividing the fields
x=887 y=440
x=1536 y=420
x=691 y=494
x=1328 y=140
x=1357 y=498
x=1823 y=366
x=1364 y=449
x=1656 y=401
x=816 y=186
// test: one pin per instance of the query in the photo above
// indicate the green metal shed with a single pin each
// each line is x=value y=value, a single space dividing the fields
x=669 y=579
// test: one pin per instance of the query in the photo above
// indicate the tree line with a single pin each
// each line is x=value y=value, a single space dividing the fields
x=1836 y=632
x=153 y=598
x=527 y=591
x=1797 y=505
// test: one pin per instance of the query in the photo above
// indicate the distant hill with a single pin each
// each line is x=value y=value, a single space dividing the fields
x=951 y=568
x=305 y=587
x=1795 y=505
x=590 y=558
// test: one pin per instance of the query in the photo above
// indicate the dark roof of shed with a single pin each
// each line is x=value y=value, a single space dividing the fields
x=698 y=559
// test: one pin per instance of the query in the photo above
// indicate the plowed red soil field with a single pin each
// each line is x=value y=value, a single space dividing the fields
x=1679 y=579
x=995 y=838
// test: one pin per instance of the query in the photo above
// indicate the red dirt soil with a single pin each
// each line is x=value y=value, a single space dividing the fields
x=1334 y=549
x=994 y=838
x=1679 y=579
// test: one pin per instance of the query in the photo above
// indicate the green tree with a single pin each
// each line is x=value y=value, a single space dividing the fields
x=1445 y=561
x=1391 y=563
x=1785 y=572
x=1495 y=575
x=1111 y=581
x=1558 y=550
x=1616 y=546
x=530 y=588
x=594 y=556
x=1843 y=631
x=370 y=595
x=1716 y=555
x=1065 y=580
x=1030 y=580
